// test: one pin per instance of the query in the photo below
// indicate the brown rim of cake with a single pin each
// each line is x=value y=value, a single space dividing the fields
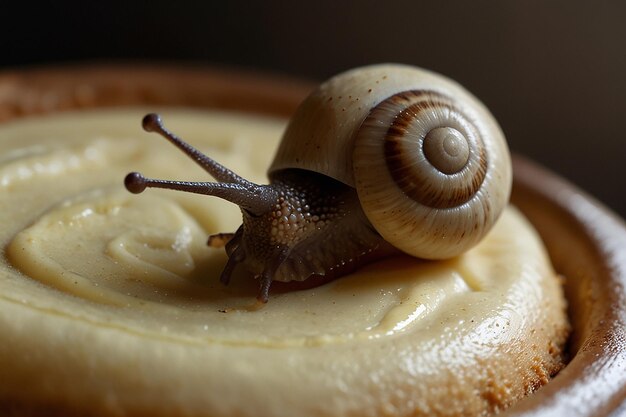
x=586 y=242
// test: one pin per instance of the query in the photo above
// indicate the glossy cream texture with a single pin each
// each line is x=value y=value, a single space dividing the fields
x=110 y=302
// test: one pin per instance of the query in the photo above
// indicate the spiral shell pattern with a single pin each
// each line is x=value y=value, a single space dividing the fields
x=431 y=176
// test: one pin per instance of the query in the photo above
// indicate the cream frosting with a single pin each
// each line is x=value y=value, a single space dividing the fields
x=110 y=302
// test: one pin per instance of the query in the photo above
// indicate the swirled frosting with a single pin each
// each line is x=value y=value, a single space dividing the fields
x=110 y=302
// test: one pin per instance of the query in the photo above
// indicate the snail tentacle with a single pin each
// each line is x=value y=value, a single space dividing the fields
x=153 y=123
x=234 y=259
x=256 y=201
x=219 y=240
x=267 y=276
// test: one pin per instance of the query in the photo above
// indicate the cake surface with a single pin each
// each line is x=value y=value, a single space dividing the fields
x=110 y=302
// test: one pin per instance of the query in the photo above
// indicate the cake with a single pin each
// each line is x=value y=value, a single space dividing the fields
x=111 y=303
x=143 y=344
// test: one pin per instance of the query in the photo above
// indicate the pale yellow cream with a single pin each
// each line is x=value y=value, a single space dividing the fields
x=110 y=302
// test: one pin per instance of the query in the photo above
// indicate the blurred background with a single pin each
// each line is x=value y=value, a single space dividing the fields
x=553 y=73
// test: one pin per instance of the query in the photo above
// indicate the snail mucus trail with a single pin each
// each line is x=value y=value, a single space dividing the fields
x=299 y=226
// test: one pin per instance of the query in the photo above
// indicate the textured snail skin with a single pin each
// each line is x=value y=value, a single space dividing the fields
x=430 y=163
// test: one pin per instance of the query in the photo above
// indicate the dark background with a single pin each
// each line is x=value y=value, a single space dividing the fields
x=553 y=72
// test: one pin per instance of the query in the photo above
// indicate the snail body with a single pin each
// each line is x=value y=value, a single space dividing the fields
x=376 y=160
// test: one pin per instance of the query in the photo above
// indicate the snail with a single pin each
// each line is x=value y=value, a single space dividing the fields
x=377 y=160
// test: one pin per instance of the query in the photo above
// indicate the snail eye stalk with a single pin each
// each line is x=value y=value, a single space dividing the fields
x=256 y=199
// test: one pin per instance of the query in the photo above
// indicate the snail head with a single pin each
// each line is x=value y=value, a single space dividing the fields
x=257 y=204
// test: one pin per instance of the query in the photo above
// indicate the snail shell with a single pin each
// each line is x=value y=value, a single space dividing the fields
x=428 y=160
